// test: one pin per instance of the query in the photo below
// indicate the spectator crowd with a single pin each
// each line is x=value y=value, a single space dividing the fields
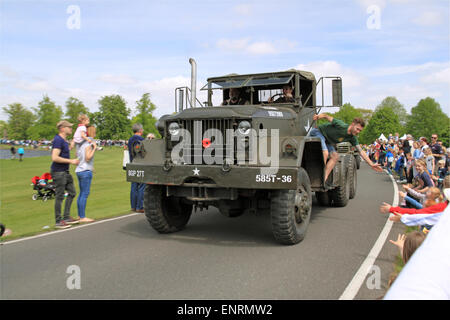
x=422 y=167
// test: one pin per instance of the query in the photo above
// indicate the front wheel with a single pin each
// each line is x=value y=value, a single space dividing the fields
x=290 y=211
x=165 y=214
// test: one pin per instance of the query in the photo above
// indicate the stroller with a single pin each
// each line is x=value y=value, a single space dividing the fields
x=44 y=186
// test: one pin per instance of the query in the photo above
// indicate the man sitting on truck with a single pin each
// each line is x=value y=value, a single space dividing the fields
x=337 y=131
x=235 y=98
x=286 y=97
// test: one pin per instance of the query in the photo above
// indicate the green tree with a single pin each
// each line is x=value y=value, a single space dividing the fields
x=144 y=115
x=112 y=118
x=48 y=114
x=347 y=113
x=384 y=120
x=20 y=119
x=74 y=108
x=427 y=118
x=366 y=114
x=397 y=108
x=3 y=129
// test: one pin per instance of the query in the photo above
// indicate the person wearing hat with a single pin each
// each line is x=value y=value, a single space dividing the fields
x=61 y=176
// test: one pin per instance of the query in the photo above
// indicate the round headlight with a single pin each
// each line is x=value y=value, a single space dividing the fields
x=244 y=127
x=174 y=128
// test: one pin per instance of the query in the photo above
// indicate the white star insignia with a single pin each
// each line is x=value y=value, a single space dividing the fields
x=196 y=172
x=307 y=126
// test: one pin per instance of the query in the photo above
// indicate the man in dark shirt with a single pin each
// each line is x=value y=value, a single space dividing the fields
x=436 y=149
x=137 y=189
x=407 y=144
x=61 y=176
x=335 y=132
x=286 y=97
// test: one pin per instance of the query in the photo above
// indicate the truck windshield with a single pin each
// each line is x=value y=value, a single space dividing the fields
x=250 y=81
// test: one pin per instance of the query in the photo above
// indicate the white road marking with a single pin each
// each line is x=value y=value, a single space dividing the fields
x=76 y=227
x=353 y=287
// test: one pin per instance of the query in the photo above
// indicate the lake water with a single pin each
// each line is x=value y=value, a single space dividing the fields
x=6 y=154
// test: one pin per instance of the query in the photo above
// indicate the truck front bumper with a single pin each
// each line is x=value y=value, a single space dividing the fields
x=237 y=177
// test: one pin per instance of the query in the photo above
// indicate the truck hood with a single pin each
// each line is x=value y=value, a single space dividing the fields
x=227 y=112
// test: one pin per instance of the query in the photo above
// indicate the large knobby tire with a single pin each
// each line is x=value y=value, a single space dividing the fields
x=358 y=161
x=340 y=194
x=290 y=211
x=165 y=214
x=352 y=174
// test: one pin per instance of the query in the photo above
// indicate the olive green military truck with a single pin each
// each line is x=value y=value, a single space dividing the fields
x=249 y=152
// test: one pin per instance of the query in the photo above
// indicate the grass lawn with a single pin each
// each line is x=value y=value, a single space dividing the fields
x=109 y=196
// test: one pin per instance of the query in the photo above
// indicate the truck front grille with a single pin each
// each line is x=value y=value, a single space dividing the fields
x=197 y=129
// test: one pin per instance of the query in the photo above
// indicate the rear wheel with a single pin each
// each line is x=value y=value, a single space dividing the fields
x=165 y=214
x=340 y=194
x=358 y=161
x=352 y=176
x=291 y=211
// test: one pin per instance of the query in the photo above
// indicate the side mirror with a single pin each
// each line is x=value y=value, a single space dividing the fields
x=180 y=100
x=336 y=86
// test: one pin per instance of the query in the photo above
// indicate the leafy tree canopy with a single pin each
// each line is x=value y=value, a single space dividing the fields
x=74 y=108
x=112 y=118
x=144 y=115
x=396 y=107
x=384 y=120
x=20 y=119
x=427 y=118
x=47 y=114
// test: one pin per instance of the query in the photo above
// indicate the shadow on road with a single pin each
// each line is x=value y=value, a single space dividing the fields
x=212 y=228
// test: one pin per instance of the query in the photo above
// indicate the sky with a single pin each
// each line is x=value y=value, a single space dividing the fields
x=89 y=49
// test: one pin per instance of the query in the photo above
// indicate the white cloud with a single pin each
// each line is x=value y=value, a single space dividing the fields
x=405 y=69
x=261 y=48
x=121 y=79
x=242 y=9
x=367 y=3
x=350 y=77
x=367 y=88
x=429 y=19
x=440 y=76
x=42 y=85
x=8 y=72
x=246 y=46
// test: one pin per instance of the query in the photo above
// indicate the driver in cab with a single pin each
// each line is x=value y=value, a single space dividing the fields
x=235 y=98
x=285 y=97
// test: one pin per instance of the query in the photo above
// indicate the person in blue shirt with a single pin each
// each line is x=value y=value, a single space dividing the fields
x=137 y=189
x=20 y=152
x=389 y=160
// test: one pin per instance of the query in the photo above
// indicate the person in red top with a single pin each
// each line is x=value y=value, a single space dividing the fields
x=438 y=207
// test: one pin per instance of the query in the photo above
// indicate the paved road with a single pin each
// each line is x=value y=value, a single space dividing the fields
x=213 y=258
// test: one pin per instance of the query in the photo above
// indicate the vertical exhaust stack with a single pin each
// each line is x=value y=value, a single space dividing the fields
x=193 y=81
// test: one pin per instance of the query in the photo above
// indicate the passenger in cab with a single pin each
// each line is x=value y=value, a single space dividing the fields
x=235 y=98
